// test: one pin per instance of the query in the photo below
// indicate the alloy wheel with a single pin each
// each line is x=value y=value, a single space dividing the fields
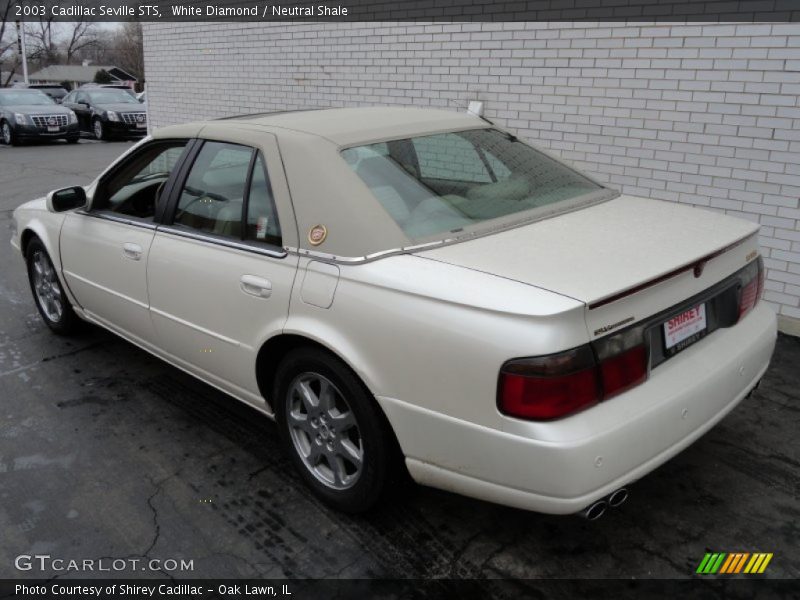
x=98 y=129
x=47 y=287
x=6 y=134
x=324 y=431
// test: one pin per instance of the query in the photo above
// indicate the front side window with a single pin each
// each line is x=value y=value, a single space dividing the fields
x=135 y=187
x=441 y=183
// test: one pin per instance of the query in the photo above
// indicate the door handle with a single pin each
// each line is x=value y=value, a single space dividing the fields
x=256 y=286
x=132 y=251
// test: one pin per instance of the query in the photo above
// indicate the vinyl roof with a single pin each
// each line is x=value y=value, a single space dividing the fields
x=344 y=126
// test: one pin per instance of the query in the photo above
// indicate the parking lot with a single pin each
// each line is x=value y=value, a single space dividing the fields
x=107 y=452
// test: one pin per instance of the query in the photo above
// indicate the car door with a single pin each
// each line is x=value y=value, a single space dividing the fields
x=219 y=278
x=104 y=248
x=80 y=105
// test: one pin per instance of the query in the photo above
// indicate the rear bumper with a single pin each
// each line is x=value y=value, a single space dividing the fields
x=563 y=466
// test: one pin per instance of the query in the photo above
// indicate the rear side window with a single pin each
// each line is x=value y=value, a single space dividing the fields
x=227 y=193
x=262 y=218
x=213 y=195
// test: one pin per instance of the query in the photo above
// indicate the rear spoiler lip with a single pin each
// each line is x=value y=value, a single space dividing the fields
x=674 y=273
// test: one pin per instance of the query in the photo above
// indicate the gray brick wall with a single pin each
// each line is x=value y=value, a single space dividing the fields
x=706 y=115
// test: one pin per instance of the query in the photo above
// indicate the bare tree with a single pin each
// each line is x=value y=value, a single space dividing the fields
x=43 y=42
x=127 y=51
x=81 y=36
x=8 y=58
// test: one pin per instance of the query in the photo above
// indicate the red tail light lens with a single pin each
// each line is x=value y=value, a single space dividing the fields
x=545 y=398
x=752 y=287
x=550 y=387
x=624 y=371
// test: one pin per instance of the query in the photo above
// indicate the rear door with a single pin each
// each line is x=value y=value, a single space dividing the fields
x=219 y=278
x=104 y=249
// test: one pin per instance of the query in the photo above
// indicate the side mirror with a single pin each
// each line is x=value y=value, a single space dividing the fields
x=66 y=199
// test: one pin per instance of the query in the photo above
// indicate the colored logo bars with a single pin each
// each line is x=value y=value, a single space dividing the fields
x=734 y=562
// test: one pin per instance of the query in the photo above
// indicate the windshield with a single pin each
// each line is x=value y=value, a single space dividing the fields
x=112 y=96
x=445 y=182
x=30 y=97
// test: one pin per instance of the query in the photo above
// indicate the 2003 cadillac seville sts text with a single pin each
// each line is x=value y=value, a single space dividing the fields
x=415 y=287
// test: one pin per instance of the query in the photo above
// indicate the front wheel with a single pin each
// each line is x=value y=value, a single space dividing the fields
x=9 y=138
x=333 y=430
x=48 y=294
x=98 y=130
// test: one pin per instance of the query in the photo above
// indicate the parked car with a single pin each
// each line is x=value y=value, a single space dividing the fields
x=56 y=92
x=398 y=286
x=106 y=113
x=30 y=114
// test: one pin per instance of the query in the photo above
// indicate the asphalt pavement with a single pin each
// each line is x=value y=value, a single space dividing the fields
x=106 y=452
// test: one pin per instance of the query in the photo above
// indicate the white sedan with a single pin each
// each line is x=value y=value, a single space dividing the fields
x=418 y=289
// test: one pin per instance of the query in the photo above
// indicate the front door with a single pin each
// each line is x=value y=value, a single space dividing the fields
x=219 y=278
x=104 y=249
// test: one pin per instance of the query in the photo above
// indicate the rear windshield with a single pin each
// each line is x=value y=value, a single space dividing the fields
x=445 y=182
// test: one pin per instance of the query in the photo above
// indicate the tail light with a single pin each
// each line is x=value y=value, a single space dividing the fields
x=752 y=279
x=550 y=387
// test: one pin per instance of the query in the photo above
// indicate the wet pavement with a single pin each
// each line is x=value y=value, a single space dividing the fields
x=106 y=452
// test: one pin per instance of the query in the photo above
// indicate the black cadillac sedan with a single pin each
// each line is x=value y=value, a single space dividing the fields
x=29 y=114
x=108 y=112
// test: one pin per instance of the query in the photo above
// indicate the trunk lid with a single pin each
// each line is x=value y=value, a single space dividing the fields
x=627 y=258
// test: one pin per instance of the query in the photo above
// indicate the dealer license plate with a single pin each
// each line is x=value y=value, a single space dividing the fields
x=684 y=329
x=52 y=128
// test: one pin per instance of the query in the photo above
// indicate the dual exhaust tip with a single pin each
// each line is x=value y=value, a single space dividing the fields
x=598 y=509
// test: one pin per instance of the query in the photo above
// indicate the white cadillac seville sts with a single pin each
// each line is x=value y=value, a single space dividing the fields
x=403 y=285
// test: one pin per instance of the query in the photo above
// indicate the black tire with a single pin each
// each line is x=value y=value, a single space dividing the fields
x=7 y=134
x=376 y=440
x=65 y=321
x=98 y=129
x=73 y=140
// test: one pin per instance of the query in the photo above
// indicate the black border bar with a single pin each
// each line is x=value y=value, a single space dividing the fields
x=625 y=11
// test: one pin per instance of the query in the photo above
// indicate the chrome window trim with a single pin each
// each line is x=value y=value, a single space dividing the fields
x=112 y=217
x=357 y=260
x=219 y=241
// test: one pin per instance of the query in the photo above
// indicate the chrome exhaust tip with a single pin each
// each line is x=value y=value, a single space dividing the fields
x=618 y=497
x=594 y=511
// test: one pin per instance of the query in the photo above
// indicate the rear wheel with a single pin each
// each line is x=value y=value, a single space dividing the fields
x=333 y=430
x=48 y=294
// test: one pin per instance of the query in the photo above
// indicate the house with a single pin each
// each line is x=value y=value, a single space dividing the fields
x=77 y=75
